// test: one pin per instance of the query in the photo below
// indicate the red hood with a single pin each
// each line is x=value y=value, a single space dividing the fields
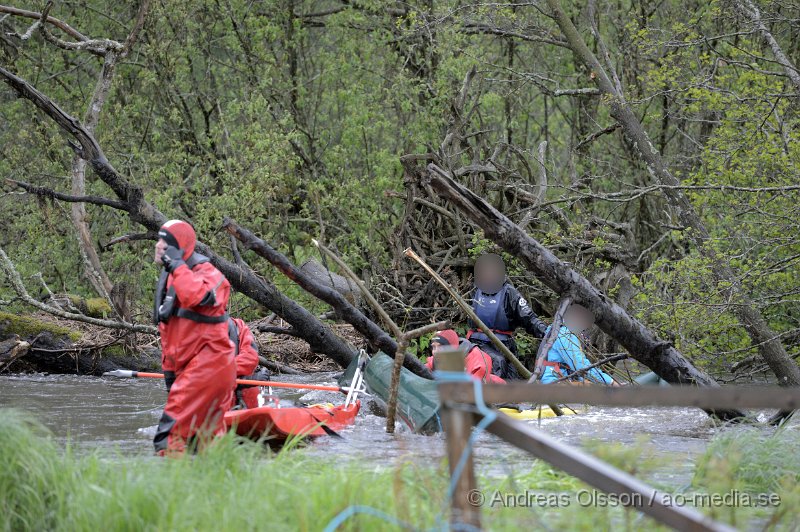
x=446 y=337
x=179 y=234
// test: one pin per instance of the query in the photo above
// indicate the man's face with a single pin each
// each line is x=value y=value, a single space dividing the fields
x=490 y=272
x=435 y=347
x=161 y=246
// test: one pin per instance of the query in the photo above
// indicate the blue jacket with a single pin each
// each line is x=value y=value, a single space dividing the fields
x=567 y=351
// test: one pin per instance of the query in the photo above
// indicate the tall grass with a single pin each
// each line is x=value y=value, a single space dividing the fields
x=235 y=485
x=748 y=460
x=239 y=485
x=751 y=460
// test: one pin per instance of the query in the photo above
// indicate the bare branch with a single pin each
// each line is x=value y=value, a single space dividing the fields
x=133 y=36
x=52 y=194
x=750 y=9
x=550 y=339
x=150 y=235
x=483 y=28
x=578 y=373
x=63 y=26
x=591 y=91
x=597 y=134
x=95 y=46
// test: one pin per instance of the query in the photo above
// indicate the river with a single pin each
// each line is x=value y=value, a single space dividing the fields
x=119 y=415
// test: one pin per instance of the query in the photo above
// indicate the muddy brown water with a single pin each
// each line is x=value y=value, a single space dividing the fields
x=119 y=416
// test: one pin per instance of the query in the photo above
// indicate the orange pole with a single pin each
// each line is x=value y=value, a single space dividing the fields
x=146 y=375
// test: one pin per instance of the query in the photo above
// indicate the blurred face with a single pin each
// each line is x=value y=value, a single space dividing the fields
x=161 y=245
x=490 y=272
x=435 y=347
x=578 y=318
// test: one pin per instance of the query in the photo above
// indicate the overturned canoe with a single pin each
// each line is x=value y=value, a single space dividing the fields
x=650 y=379
x=273 y=423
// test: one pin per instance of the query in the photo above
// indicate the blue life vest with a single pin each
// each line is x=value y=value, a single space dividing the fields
x=491 y=310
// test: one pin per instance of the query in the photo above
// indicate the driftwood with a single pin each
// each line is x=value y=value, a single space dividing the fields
x=374 y=334
x=643 y=345
x=277 y=367
x=319 y=337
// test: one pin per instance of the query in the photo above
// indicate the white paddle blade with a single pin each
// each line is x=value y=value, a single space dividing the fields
x=125 y=373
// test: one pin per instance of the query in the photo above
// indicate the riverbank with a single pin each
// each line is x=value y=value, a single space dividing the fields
x=240 y=485
x=43 y=343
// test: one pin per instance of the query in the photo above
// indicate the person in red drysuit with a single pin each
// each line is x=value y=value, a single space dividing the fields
x=246 y=352
x=476 y=362
x=196 y=352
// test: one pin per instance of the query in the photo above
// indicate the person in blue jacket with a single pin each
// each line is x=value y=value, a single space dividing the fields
x=566 y=355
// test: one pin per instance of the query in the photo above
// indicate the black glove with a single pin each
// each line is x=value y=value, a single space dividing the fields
x=261 y=374
x=540 y=327
x=172 y=258
x=169 y=379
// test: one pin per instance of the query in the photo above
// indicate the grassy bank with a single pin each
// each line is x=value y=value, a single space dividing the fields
x=240 y=486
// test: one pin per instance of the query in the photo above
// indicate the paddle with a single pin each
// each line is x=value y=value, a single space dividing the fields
x=126 y=373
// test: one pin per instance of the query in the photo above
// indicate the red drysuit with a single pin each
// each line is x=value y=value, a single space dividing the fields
x=246 y=351
x=476 y=363
x=196 y=350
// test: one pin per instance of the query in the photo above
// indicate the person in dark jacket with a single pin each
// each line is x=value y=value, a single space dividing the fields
x=503 y=309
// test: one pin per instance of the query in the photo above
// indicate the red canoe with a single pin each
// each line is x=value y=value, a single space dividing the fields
x=280 y=423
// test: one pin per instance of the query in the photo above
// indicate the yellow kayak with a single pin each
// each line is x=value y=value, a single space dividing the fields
x=536 y=413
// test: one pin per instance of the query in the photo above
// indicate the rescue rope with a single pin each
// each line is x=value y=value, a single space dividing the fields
x=355 y=509
x=489 y=416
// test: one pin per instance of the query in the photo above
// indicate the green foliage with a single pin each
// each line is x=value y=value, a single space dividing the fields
x=293 y=123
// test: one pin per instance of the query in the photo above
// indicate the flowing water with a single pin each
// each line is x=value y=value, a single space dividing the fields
x=119 y=415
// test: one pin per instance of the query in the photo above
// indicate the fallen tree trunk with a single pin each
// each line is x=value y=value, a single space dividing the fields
x=31 y=344
x=349 y=313
x=319 y=337
x=642 y=344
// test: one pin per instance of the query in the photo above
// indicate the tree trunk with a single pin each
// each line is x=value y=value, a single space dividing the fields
x=369 y=329
x=761 y=335
x=750 y=9
x=640 y=342
x=91 y=260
